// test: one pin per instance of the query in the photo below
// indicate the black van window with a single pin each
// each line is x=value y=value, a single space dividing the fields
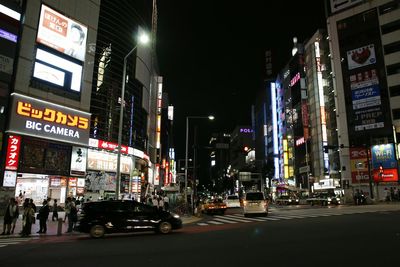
x=254 y=196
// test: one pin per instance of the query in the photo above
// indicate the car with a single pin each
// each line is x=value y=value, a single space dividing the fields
x=323 y=199
x=213 y=206
x=255 y=203
x=232 y=201
x=123 y=216
x=287 y=200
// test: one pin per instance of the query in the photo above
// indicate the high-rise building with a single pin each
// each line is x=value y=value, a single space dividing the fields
x=365 y=52
x=323 y=164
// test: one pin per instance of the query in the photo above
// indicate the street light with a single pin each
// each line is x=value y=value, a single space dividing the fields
x=143 y=39
x=186 y=149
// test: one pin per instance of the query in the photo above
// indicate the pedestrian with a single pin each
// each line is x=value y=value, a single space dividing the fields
x=32 y=204
x=166 y=203
x=67 y=208
x=9 y=216
x=160 y=203
x=27 y=219
x=43 y=216
x=55 y=211
x=155 y=201
x=72 y=214
x=14 y=222
x=149 y=201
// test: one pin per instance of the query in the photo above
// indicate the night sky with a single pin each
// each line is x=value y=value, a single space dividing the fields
x=211 y=55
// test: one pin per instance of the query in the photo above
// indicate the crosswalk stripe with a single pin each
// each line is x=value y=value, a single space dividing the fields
x=222 y=220
x=283 y=217
x=251 y=219
x=202 y=224
x=9 y=243
x=232 y=218
x=272 y=219
x=2 y=246
x=214 y=222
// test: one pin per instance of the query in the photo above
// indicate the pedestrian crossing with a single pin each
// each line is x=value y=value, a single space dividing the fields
x=6 y=241
x=239 y=218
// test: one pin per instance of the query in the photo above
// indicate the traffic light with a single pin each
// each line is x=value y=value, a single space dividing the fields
x=246 y=149
x=380 y=169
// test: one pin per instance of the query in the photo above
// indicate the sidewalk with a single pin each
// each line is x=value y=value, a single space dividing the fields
x=53 y=226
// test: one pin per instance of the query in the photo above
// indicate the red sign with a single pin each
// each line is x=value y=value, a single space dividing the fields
x=388 y=175
x=13 y=146
x=112 y=146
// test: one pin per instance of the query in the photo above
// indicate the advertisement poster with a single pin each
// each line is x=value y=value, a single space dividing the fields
x=366 y=100
x=383 y=155
x=62 y=33
x=10 y=179
x=360 y=57
x=96 y=181
x=359 y=165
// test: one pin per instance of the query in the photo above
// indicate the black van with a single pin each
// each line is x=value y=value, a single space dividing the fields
x=123 y=216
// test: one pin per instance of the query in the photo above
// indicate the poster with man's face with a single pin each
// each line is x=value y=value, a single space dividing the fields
x=62 y=33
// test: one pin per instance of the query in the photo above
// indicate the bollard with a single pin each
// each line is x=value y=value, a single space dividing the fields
x=59 y=226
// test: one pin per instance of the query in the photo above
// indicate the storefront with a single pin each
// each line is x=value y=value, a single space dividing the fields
x=100 y=179
x=46 y=151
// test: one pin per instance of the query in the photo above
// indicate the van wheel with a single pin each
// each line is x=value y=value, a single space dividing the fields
x=97 y=231
x=164 y=227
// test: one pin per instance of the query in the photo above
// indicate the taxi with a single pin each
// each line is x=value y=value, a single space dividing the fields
x=213 y=206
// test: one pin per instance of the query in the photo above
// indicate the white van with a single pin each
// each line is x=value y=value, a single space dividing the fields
x=255 y=203
x=232 y=201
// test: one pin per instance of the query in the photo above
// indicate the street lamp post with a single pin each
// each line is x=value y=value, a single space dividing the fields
x=143 y=38
x=186 y=150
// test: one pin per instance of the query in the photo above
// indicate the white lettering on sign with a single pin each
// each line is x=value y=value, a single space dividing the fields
x=57 y=130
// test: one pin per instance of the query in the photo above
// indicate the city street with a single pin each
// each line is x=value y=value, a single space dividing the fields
x=337 y=236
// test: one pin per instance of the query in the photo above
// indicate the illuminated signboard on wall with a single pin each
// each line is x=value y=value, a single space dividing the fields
x=12 y=156
x=38 y=118
x=57 y=71
x=62 y=33
x=78 y=160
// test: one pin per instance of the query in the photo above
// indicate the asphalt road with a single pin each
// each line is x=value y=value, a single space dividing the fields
x=365 y=239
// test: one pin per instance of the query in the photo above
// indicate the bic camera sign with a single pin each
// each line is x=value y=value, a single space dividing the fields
x=39 y=118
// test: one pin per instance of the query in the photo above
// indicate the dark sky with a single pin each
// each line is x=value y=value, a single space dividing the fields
x=211 y=55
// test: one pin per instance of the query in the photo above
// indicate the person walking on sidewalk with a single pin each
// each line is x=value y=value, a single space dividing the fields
x=43 y=216
x=9 y=216
x=55 y=211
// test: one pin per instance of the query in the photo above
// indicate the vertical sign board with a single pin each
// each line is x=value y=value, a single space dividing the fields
x=359 y=165
x=12 y=156
x=78 y=161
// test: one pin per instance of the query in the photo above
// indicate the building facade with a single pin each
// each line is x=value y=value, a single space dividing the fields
x=364 y=43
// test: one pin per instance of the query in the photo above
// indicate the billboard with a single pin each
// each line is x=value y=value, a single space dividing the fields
x=383 y=155
x=38 y=118
x=360 y=57
x=62 y=33
x=359 y=165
